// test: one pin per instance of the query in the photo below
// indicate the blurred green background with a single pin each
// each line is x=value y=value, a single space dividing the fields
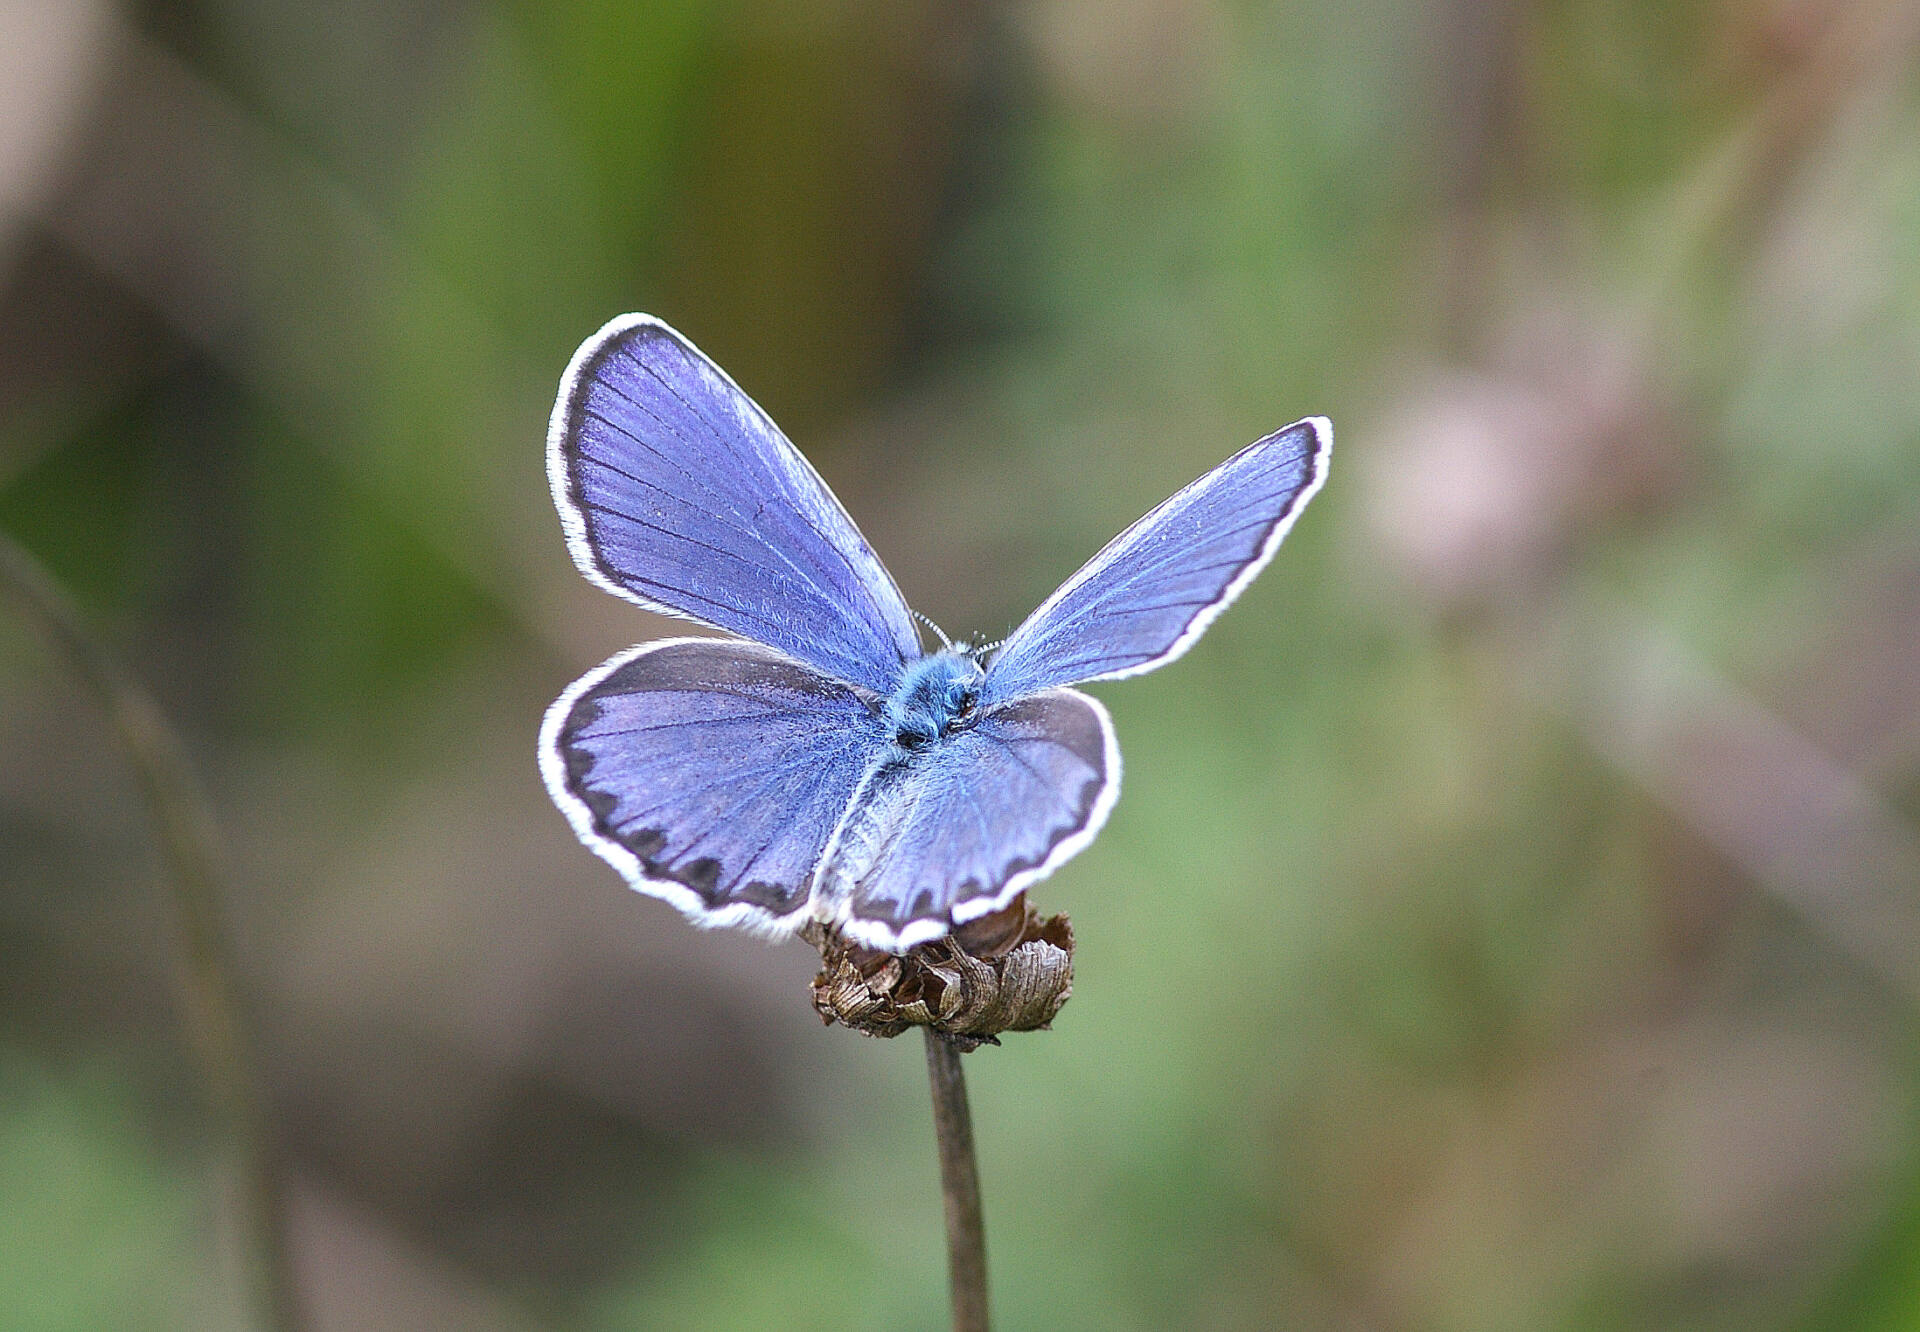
x=1512 y=919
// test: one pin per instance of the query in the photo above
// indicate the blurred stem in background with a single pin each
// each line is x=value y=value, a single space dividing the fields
x=214 y=1008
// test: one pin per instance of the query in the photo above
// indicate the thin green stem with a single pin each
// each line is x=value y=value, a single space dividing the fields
x=959 y=1184
x=215 y=1012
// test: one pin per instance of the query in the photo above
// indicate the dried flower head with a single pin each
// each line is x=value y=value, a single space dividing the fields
x=1011 y=971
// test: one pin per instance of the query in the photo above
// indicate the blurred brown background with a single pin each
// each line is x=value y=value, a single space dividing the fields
x=1512 y=920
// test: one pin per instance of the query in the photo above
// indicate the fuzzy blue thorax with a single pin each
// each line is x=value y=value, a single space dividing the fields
x=935 y=694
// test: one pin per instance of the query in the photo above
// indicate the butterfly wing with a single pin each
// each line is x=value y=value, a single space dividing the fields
x=1154 y=589
x=951 y=833
x=710 y=773
x=677 y=492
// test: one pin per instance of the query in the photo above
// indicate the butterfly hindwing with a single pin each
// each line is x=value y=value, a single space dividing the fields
x=1145 y=598
x=710 y=773
x=952 y=833
x=677 y=492
x=748 y=790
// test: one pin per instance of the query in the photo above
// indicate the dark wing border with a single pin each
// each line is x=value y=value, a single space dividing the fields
x=553 y=772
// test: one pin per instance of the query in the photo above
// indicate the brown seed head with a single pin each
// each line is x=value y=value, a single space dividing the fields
x=1010 y=971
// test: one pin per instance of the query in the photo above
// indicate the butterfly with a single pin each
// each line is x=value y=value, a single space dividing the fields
x=822 y=765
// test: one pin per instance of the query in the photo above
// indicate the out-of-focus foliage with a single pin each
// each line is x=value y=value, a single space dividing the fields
x=98 y=1229
x=1513 y=916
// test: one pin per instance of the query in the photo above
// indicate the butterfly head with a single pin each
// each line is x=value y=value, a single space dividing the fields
x=936 y=696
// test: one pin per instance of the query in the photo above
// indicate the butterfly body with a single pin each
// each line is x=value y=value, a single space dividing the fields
x=936 y=693
x=820 y=765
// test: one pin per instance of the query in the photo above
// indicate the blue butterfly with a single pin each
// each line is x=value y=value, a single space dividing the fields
x=823 y=765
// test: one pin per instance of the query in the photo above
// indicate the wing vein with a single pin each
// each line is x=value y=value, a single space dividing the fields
x=687 y=793
x=832 y=545
x=733 y=502
x=733 y=555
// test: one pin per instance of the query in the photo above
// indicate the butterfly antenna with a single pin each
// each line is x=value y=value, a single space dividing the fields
x=945 y=642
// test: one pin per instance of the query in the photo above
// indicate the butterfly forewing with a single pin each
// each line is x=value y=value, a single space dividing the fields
x=1149 y=595
x=711 y=773
x=679 y=493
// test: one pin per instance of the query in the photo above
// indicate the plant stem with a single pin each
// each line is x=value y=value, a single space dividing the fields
x=215 y=1012
x=960 y=1184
